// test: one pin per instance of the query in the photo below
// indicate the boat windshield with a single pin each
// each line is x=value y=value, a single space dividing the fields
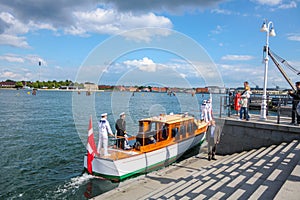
x=150 y=132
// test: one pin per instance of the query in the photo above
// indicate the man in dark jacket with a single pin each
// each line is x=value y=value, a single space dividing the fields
x=213 y=138
x=121 y=130
x=296 y=100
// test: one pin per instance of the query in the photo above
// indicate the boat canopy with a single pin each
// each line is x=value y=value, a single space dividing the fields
x=165 y=127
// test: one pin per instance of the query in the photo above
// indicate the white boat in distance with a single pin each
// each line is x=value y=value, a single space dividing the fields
x=174 y=134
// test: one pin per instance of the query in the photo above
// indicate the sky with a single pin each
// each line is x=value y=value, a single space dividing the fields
x=193 y=43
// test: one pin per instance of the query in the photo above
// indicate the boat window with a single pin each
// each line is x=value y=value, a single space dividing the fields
x=143 y=137
x=190 y=127
x=141 y=127
x=153 y=126
x=174 y=131
x=183 y=130
x=164 y=132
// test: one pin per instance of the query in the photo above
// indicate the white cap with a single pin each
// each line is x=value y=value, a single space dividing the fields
x=104 y=114
x=122 y=113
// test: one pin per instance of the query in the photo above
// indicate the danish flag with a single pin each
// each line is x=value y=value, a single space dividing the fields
x=91 y=147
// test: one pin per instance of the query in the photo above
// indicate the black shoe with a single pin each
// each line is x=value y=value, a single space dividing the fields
x=213 y=158
x=208 y=158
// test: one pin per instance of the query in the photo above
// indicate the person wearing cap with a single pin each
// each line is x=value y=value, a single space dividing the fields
x=296 y=100
x=121 y=130
x=104 y=131
x=209 y=110
x=204 y=111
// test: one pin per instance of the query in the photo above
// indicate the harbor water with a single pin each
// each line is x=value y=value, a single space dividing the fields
x=43 y=144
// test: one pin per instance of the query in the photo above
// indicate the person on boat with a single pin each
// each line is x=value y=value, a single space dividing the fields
x=204 y=115
x=213 y=134
x=164 y=131
x=121 y=130
x=296 y=100
x=209 y=110
x=104 y=131
x=126 y=143
x=152 y=140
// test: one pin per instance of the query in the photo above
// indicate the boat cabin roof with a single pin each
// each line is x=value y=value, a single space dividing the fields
x=168 y=119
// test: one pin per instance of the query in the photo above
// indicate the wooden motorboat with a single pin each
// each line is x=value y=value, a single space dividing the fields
x=160 y=141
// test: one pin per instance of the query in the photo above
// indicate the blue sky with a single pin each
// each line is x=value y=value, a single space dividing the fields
x=67 y=35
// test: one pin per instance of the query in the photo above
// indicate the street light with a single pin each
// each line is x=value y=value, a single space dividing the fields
x=268 y=28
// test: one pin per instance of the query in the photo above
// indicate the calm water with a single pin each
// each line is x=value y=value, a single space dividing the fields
x=43 y=138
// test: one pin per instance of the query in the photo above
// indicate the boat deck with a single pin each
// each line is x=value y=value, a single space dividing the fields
x=117 y=153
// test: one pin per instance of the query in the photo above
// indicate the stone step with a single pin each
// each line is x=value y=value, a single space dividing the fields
x=204 y=178
x=227 y=177
x=230 y=175
x=256 y=174
x=262 y=180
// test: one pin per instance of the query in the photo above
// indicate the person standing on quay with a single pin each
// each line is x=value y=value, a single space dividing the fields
x=296 y=100
x=104 y=131
x=121 y=130
x=244 y=102
x=213 y=138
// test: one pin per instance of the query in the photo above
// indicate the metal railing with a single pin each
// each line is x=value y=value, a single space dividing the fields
x=227 y=104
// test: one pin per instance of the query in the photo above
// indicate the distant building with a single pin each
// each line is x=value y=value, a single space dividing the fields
x=202 y=90
x=70 y=87
x=7 y=84
x=131 y=89
x=105 y=87
x=120 y=88
x=90 y=86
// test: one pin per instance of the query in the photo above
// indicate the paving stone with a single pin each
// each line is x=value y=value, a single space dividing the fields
x=265 y=173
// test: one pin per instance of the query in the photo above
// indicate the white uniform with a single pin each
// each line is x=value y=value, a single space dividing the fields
x=204 y=111
x=209 y=110
x=126 y=144
x=104 y=130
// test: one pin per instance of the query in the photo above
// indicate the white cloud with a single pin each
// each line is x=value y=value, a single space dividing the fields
x=294 y=37
x=269 y=2
x=8 y=75
x=12 y=58
x=237 y=57
x=292 y=4
x=277 y=4
x=13 y=40
x=183 y=75
x=29 y=59
x=221 y=11
x=98 y=21
x=145 y=64
x=109 y=21
x=14 y=26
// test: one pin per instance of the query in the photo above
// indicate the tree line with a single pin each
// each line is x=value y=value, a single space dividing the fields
x=44 y=84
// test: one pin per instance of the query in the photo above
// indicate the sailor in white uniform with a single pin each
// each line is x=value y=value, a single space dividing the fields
x=104 y=131
x=204 y=111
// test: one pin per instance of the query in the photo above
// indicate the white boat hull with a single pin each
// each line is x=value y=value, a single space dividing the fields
x=142 y=163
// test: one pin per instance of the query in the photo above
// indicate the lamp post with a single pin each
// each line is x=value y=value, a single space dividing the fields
x=268 y=28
